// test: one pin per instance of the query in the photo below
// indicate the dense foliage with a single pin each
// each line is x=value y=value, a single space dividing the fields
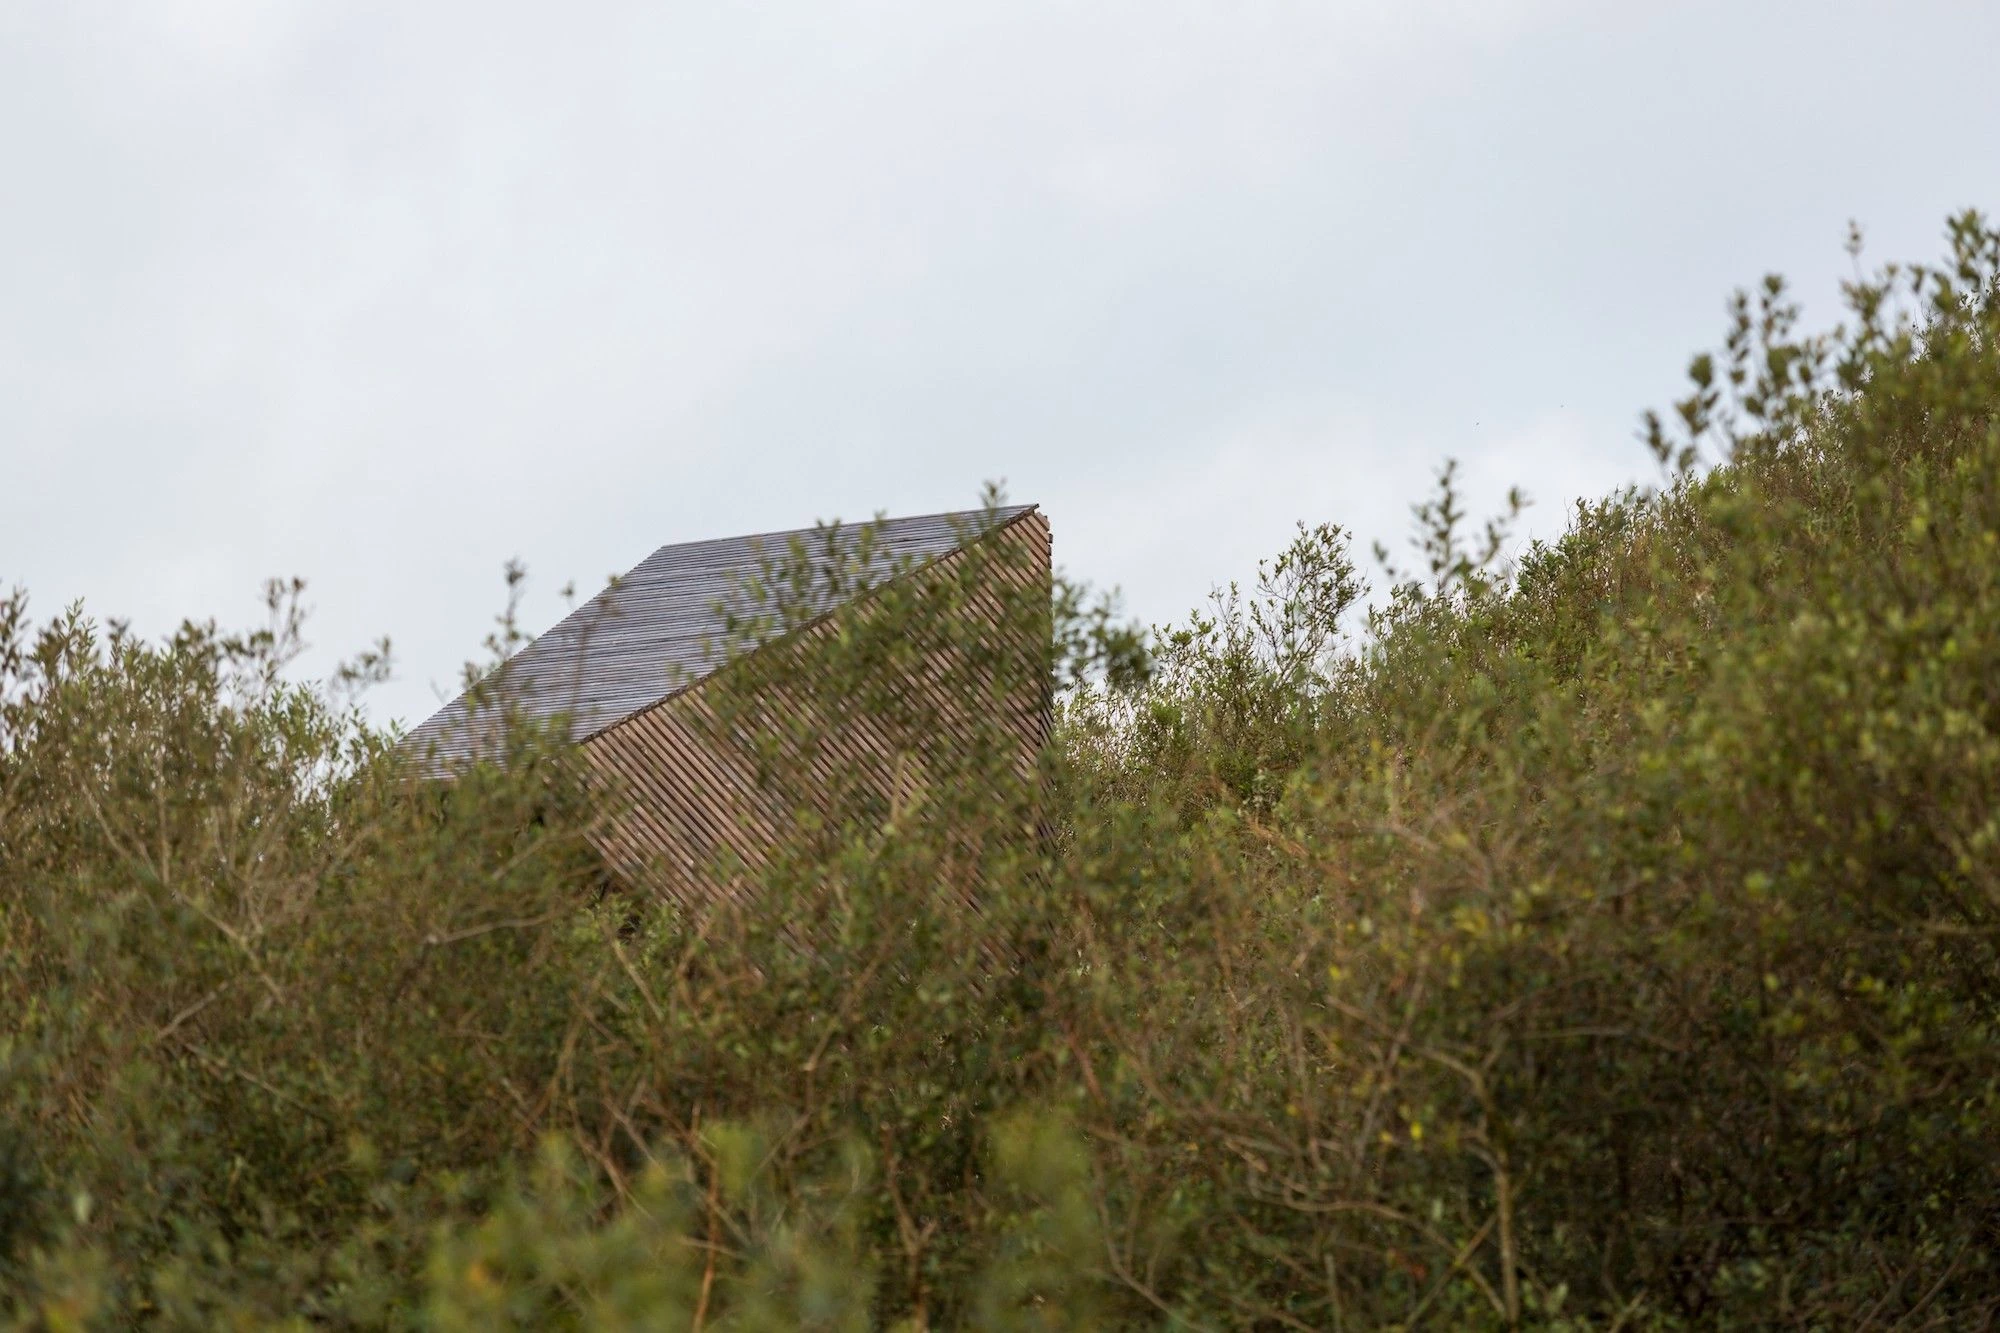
x=1605 y=938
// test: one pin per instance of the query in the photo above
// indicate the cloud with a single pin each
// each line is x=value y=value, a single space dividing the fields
x=1236 y=502
x=385 y=294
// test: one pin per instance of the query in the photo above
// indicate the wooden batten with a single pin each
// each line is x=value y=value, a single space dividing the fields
x=691 y=801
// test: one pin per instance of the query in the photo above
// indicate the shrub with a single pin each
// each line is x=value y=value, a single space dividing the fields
x=1603 y=937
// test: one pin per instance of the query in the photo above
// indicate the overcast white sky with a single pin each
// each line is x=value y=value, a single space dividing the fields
x=384 y=293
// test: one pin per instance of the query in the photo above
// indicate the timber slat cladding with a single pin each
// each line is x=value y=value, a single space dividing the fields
x=669 y=717
x=694 y=797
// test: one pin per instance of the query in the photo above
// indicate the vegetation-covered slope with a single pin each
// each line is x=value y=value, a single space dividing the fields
x=1604 y=939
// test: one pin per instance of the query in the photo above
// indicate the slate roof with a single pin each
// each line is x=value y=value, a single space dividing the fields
x=651 y=632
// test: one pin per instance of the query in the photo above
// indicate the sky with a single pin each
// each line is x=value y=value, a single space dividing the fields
x=384 y=294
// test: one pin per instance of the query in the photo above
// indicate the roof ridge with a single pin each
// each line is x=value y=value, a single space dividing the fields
x=1010 y=512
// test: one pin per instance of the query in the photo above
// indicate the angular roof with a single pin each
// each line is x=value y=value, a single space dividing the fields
x=653 y=632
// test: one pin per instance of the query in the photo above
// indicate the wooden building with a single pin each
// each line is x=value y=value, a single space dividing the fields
x=725 y=691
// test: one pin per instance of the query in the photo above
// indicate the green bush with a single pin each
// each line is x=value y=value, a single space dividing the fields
x=1599 y=938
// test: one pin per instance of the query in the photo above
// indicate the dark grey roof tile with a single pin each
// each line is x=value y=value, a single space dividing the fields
x=654 y=630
